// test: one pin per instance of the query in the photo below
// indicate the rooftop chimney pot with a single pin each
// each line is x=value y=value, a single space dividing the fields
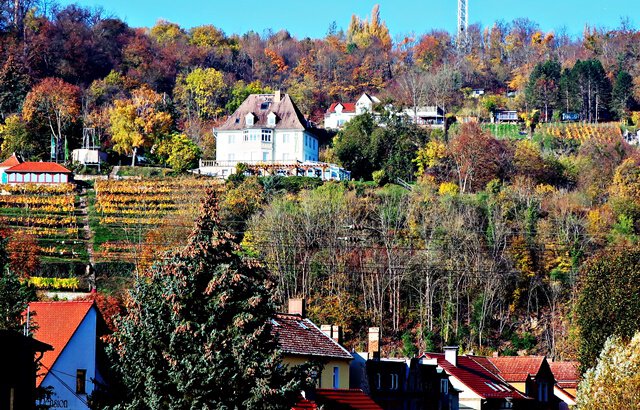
x=298 y=306
x=451 y=354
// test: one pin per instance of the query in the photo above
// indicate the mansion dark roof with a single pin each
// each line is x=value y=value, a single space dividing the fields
x=300 y=337
x=288 y=117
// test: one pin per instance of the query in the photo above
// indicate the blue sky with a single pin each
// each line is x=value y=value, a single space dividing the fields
x=304 y=18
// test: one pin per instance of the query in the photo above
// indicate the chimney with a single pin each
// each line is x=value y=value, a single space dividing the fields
x=336 y=334
x=496 y=354
x=451 y=354
x=326 y=329
x=298 y=307
x=373 y=348
x=277 y=96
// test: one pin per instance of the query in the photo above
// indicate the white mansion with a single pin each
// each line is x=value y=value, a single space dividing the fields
x=269 y=135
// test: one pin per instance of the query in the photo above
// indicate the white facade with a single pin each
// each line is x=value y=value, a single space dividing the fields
x=266 y=145
x=339 y=114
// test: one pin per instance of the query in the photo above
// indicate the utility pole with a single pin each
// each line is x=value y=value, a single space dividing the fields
x=463 y=23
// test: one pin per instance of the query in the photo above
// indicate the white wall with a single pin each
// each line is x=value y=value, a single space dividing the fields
x=285 y=145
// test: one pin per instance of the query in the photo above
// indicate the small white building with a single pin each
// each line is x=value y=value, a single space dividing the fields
x=340 y=113
x=432 y=116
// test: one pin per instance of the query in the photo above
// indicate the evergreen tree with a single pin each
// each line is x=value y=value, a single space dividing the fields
x=594 y=89
x=197 y=333
x=543 y=88
x=622 y=95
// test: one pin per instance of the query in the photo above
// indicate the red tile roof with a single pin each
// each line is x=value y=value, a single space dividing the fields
x=13 y=160
x=298 y=336
x=516 y=368
x=56 y=323
x=347 y=107
x=51 y=167
x=567 y=374
x=345 y=399
x=477 y=377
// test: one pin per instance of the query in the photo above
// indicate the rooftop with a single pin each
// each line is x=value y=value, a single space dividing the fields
x=39 y=167
x=517 y=368
x=567 y=374
x=299 y=336
x=56 y=324
x=477 y=377
x=288 y=116
x=12 y=161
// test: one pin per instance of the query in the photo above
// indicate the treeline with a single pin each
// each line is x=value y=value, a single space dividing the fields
x=489 y=248
x=65 y=68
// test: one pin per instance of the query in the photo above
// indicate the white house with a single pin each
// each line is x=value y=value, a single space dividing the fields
x=266 y=128
x=427 y=116
x=340 y=113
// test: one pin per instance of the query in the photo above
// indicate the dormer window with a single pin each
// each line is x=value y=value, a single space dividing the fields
x=271 y=119
x=249 y=119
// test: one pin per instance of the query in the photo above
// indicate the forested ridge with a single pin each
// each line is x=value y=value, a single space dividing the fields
x=494 y=241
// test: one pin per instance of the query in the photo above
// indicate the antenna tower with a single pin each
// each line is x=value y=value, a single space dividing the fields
x=463 y=21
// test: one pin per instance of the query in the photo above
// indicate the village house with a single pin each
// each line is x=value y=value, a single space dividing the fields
x=431 y=116
x=567 y=376
x=268 y=135
x=15 y=171
x=72 y=369
x=340 y=113
x=301 y=341
x=478 y=387
x=508 y=116
x=401 y=383
x=531 y=375
x=20 y=360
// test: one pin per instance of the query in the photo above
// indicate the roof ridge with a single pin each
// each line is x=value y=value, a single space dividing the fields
x=336 y=343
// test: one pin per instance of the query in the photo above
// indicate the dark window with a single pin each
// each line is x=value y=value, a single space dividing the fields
x=81 y=380
x=264 y=106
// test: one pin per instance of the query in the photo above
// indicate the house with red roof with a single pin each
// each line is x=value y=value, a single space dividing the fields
x=301 y=341
x=567 y=375
x=12 y=161
x=71 y=369
x=340 y=113
x=35 y=173
x=337 y=399
x=531 y=375
x=479 y=387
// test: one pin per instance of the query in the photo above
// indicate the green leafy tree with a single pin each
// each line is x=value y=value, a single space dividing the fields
x=594 y=89
x=609 y=300
x=614 y=383
x=14 y=86
x=181 y=153
x=16 y=137
x=241 y=90
x=197 y=333
x=353 y=147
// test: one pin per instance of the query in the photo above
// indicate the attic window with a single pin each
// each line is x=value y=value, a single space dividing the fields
x=492 y=386
x=302 y=326
x=271 y=119
x=273 y=322
x=265 y=105
x=237 y=120
x=249 y=119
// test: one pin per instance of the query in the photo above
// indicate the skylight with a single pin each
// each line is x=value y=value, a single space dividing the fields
x=273 y=322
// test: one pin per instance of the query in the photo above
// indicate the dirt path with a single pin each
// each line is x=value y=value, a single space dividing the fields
x=83 y=213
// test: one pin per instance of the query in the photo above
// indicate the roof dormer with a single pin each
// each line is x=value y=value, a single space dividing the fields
x=339 y=108
x=271 y=119
x=249 y=119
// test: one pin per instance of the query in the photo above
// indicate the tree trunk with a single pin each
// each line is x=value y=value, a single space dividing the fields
x=133 y=157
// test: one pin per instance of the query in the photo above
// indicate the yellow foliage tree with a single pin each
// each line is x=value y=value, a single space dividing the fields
x=614 y=383
x=138 y=122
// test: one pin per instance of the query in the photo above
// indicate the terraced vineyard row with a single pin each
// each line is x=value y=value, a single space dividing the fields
x=47 y=212
x=126 y=211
